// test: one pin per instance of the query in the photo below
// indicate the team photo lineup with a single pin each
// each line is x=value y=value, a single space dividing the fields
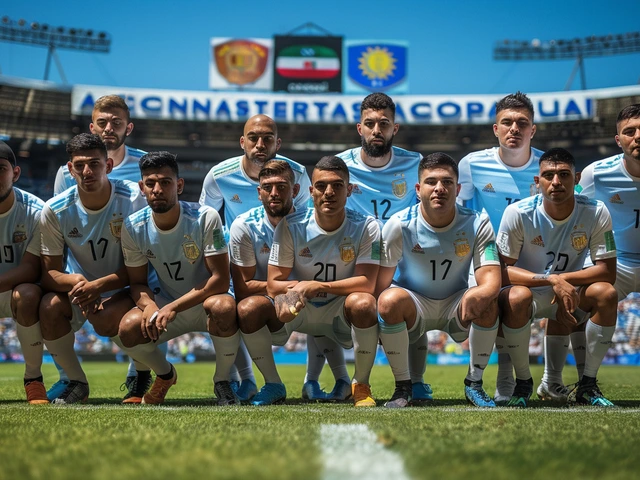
x=379 y=245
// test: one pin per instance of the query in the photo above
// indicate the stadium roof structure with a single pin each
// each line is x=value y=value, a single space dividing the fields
x=36 y=120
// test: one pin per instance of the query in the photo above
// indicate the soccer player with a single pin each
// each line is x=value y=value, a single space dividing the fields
x=432 y=245
x=615 y=181
x=250 y=240
x=232 y=184
x=323 y=269
x=111 y=120
x=20 y=270
x=543 y=242
x=383 y=176
x=87 y=219
x=184 y=244
x=493 y=178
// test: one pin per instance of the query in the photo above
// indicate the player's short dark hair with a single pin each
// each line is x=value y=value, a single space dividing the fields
x=158 y=160
x=515 y=101
x=558 y=155
x=108 y=102
x=378 y=101
x=630 y=111
x=274 y=168
x=84 y=142
x=437 y=160
x=334 y=164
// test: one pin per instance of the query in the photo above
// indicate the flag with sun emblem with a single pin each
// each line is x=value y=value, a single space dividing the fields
x=376 y=66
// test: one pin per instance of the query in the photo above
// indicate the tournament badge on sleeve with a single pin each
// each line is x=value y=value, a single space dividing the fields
x=190 y=249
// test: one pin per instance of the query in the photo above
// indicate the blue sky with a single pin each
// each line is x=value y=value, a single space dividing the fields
x=165 y=44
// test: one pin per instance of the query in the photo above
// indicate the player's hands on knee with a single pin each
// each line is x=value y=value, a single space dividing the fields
x=288 y=305
x=565 y=293
x=165 y=316
x=87 y=295
x=307 y=288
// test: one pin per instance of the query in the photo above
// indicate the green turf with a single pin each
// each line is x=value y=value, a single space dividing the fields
x=189 y=438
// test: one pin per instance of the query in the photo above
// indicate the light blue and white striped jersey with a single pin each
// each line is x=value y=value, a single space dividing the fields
x=542 y=245
x=609 y=182
x=127 y=170
x=251 y=237
x=177 y=255
x=487 y=183
x=20 y=230
x=435 y=262
x=383 y=191
x=314 y=254
x=91 y=236
x=227 y=184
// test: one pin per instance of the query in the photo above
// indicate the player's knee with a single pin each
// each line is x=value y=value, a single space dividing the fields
x=516 y=297
x=25 y=298
x=250 y=317
x=51 y=312
x=486 y=319
x=129 y=330
x=221 y=310
x=360 y=309
x=387 y=303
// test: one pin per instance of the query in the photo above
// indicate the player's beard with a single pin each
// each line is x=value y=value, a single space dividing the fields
x=162 y=207
x=377 y=151
x=281 y=212
x=114 y=144
x=4 y=195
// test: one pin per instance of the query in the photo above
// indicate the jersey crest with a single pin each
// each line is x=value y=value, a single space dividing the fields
x=20 y=234
x=347 y=252
x=579 y=241
x=462 y=247
x=115 y=226
x=399 y=187
x=190 y=249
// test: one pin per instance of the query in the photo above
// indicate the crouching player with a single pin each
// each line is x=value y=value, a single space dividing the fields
x=185 y=246
x=322 y=273
x=543 y=242
x=432 y=245
x=20 y=270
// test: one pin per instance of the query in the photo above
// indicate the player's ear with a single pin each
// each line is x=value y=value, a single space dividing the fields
x=16 y=173
x=129 y=129
x=495 y=129
x=458 y=187
x=349 y=188
x=618 y=141
x=296 y=190
x=180 y=183
x=578 y=175
x=242 y=142
x=359 y=128
x=141 y=186
x=396 y=127
x=533 y=131
x=91 y=128
x=109 y=165
x=278 y=144
x=536 y=180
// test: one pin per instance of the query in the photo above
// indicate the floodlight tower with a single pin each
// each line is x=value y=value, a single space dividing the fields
x=53 y=38
x=576 y=48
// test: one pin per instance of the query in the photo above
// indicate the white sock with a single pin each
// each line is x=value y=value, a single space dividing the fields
x=62 y=352
x=579 y=347
x=517 y=341
x=147 y=354
x=135 y=366
x=259 y=346
x=243 y=363
x=315 y=360
x=226 y=352
x=395 y=343
x=63 y=376
x=598 y=343
x=555 y=356
x=418 y=359
x=32 y=345
x=334 y=354
x=365 y=345
x=481 y=341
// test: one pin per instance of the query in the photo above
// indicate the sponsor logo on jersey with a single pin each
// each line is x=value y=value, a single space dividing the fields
x=241 y=61
x=417 y=249
x=305 y=252
x=616 y=199
x=265 y=250
x=20 y=234
x=74 y=233
x=538 y=241
x=489 y=188
x=356 y=189
x=347 y=252
x=579 y=241
x=399 y=187
x=190 y=249
x=149 y=254
x=462 y=247
x=235 y=199
x=115 y=226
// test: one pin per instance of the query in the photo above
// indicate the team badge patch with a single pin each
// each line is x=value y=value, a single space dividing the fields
x=241 y=61
x=579 y=241
x=190 y=249
x=20 y=234
x=115 y=226
x=347 y=252
x=462 y=247
x=399 y=187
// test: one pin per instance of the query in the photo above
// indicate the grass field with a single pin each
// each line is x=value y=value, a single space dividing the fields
x=190 y=438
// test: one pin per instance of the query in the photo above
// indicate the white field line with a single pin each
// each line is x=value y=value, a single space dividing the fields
x=353 y=452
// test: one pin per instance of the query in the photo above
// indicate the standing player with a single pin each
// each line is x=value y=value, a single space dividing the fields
x=250 y=241
x=323 y=269
x=111 y=121
x=615 y=181
x=382 y=176
x=543 y=242
x=20 y=270
x=184 y=244
x=87 y=219
x=232 y=184
x=433 y=244
x=493 y=178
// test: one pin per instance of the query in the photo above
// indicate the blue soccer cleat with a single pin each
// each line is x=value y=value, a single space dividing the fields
x=312 y=392
x=588 y=393
x=270 y=394
x=341 y=391
x=421 y=394
x=247 y=390
x=475 y=395
x=56 y=389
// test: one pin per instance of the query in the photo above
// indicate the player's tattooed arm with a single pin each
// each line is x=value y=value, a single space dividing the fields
x=288 y=305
